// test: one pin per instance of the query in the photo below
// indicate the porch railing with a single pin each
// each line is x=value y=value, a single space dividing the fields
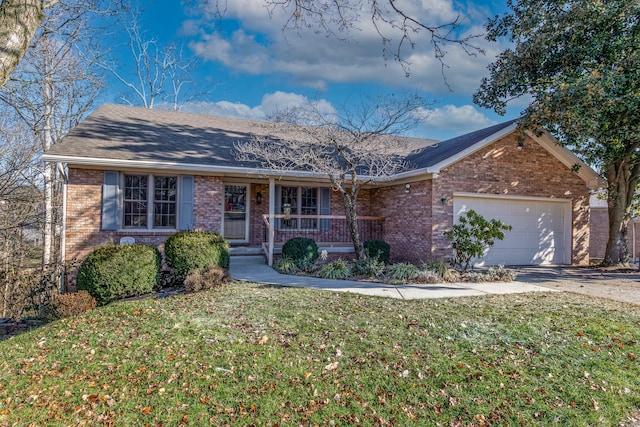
x=326 y=230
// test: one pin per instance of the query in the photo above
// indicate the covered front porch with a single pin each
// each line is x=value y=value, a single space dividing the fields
x=260 y=218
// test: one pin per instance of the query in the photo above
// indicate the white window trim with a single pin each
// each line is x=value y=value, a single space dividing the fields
x=299 y=207
x=150 y=203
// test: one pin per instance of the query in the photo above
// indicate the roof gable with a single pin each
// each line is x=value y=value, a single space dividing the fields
x=446 y=152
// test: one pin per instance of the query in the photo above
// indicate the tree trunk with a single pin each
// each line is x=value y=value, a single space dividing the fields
x=352 y=224
x=622 y=178
x=48 y=94
x=19 y=20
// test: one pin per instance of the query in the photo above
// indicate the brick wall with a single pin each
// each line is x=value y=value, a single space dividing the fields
x=84 y=213
x=503 y=169
x=407 y=219
x=208 y=197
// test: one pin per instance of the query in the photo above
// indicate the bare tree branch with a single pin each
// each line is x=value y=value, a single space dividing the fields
x=339 y=18
x=350 y=149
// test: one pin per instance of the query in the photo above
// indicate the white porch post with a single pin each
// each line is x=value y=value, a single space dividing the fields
x=272 y=207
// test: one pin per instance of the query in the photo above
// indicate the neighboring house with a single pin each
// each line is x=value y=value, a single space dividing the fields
x=599 y=231
x=141 y=173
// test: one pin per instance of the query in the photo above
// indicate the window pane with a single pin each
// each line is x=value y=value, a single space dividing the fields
x=164 y=202
x=309 y=206
x=289 y=206
x=135 y=201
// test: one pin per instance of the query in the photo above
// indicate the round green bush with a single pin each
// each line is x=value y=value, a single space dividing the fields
x=113 y=272
x=189 y=250
x=302 y=250
x=378 y=249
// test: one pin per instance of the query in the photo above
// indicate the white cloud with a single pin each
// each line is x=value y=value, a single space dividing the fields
x=450 y=117
x=313 y=59
x=271 y=104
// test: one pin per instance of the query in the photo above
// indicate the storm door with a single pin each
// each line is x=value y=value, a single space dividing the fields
x=236 y=208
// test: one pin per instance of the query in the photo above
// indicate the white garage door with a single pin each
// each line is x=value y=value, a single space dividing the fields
x=541 y=233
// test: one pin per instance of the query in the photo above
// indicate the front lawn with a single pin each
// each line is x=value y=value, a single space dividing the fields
x=250 y=354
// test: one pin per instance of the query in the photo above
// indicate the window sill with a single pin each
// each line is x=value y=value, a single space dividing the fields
x=145 y=232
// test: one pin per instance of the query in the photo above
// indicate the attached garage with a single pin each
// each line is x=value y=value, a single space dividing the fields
x=541 y=233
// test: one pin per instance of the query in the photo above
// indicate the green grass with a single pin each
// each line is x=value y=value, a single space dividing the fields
x=254 y=355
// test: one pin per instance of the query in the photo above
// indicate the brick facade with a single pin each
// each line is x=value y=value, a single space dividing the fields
x=503 y=169
x=84 y=213
x=407 y=219
x=415 y=220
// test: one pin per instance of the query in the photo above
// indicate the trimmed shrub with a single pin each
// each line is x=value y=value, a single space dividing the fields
x=302 y=250
x=338 y=269
x=378 y=249
x=113 y=272
x=74 y=303
x=188 y=250
x=403 y=271
x=202 y=279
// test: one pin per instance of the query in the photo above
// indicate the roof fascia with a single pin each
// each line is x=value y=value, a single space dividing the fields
x=181 y=167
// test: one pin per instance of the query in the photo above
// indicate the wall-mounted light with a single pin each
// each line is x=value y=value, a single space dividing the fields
x=407 y=188
x=520 y=145
x=259 y=198
x=443 y=200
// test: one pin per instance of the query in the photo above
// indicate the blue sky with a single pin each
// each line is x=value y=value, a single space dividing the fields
x=250 y=68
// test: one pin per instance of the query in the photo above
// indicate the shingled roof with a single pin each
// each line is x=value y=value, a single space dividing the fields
x=116 y=136
x=434 y=154
x=127 y=133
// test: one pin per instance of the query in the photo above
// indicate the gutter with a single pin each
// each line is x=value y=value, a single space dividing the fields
x=214 y=170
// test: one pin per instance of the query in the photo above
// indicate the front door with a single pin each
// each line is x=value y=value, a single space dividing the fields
x=236 y=208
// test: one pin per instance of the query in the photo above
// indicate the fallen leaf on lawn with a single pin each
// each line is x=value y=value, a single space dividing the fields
x=263 y=340
x=146 y=410
x=331 y=366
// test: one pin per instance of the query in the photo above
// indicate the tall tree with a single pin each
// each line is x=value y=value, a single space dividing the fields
x=49 y=93
x=351 y=148
x=579 y=60
x=21 y=19
x=155 y=74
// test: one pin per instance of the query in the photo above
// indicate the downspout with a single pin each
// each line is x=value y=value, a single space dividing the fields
x=63 y=232
x=633 y=238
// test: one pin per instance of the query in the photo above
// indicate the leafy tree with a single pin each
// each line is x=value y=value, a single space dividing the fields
x=472 y=235
x=579 y=61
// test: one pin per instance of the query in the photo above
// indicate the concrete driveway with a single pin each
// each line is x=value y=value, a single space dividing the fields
x=613 y=284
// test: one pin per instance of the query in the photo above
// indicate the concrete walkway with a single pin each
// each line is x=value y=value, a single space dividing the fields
x=253 y=269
